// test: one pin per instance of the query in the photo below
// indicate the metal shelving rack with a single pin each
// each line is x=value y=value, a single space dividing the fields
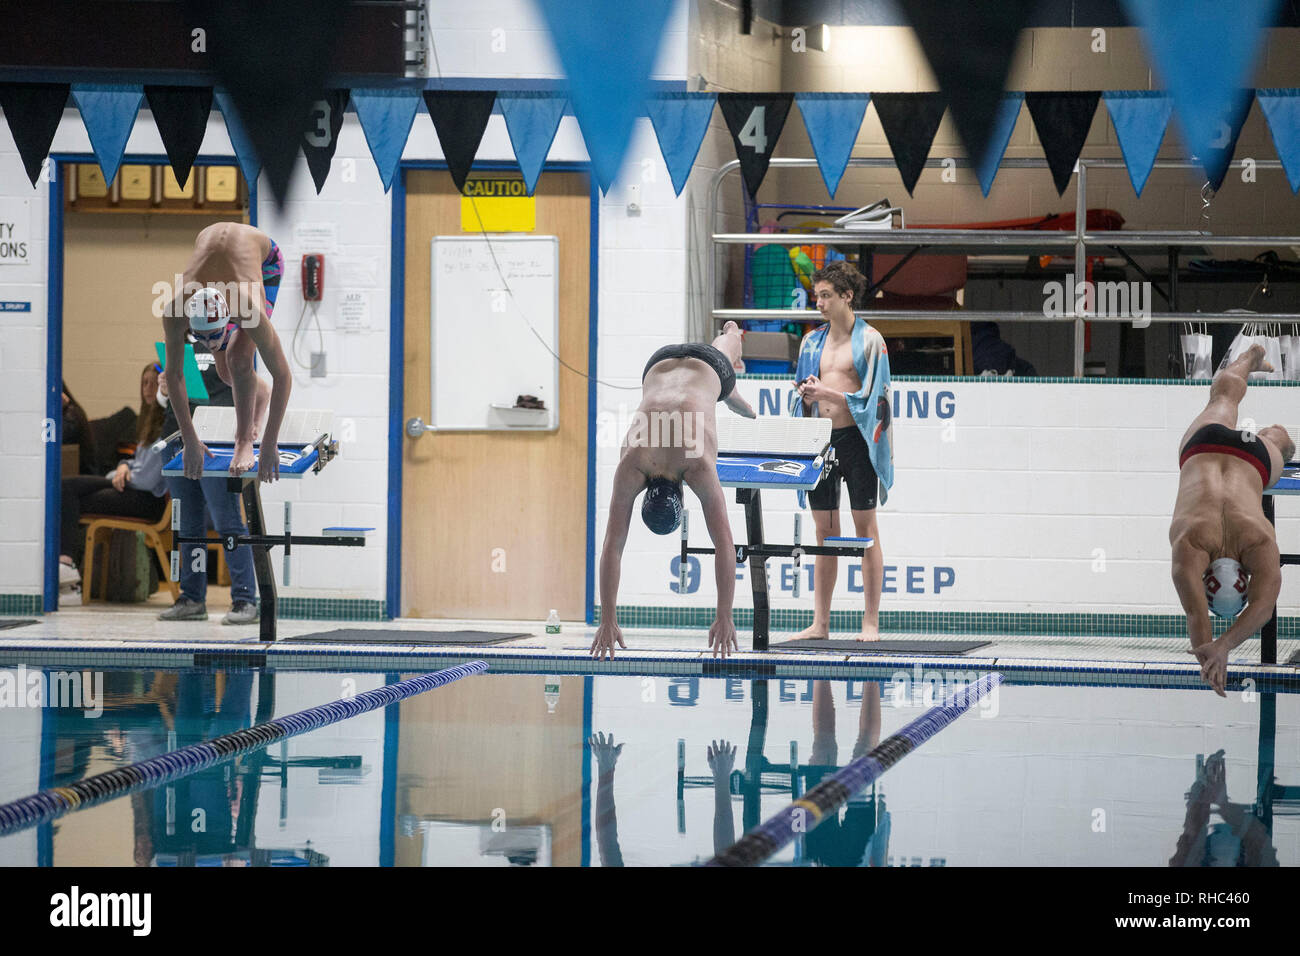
x=1000 y=242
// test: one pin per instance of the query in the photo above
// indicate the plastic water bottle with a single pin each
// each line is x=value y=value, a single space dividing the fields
x=553 y=622
x=551 y=691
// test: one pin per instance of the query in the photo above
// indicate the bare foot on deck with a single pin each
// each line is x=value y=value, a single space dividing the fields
x=816 y=632
x=870 y=632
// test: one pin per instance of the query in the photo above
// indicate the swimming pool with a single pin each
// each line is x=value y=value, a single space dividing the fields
x=571 y=770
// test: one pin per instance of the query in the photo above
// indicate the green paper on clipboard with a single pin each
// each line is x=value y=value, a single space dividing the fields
x=194 y=387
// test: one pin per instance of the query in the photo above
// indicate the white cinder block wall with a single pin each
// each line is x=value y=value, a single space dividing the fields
x=1010 y=497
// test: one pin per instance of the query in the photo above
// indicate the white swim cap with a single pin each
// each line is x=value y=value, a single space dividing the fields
x=1225 y=587
x=207 y=311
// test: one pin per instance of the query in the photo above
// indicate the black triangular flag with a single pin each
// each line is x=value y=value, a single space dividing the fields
x=181 y=115
x=320 y=137
x=910 y=121
x=969 y=46
x=460 y=117
x=273 y=59
x=33 y=111
x=1062 y=121
x=755 y=121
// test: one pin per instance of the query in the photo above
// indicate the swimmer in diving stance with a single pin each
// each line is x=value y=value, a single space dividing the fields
x=230 y=286
x=674 y=439
x=1225 y=556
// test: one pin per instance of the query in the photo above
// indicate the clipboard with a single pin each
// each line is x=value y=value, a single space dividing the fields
x=194 y=387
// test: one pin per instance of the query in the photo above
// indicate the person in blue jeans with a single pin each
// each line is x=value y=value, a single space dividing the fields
x=201 y=499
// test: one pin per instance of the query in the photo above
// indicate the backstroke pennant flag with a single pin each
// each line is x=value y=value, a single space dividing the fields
x=33 y=112
x=755 y=121
x=1217 y=154
x=1204 y=52
x=1062 y=121
x=245 y=153
x=832 y=121
x=969 y=46
x=607 y=50
x=460 y=117
x=1140 y=118
x=320 y=135
x=273 y=59
x=108 y=111
x=1004 y=121
x=910 y=121
x=680 y=121
x=386 y=116
x=1282 y=110
x=181 y=115
x=532 y=119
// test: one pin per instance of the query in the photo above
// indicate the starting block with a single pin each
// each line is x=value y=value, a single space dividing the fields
x=306 y=446
x=1288 y=484
x=780 y=454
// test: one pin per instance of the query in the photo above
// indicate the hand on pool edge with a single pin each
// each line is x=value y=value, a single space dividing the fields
x=722 y=636
x=606 y=635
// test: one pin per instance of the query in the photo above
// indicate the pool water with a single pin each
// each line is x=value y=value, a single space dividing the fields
x=561 y=770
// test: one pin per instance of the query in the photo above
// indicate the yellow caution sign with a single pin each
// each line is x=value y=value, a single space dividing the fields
x=497 y=204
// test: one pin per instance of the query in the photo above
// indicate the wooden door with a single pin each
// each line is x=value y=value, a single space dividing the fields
x=494 y=523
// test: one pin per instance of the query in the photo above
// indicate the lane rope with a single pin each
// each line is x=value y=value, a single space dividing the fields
x=803 y=815
x=53 y=803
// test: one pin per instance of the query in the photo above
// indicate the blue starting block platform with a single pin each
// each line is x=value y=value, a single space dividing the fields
x=305 y=446
x=1288 y=484
x=774 y=454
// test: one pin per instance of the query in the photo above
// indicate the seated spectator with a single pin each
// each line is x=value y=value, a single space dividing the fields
x=77 y=431
x=992 y=354
x=134 y=489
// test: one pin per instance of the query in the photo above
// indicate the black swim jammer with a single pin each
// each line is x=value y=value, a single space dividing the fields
x=705 y=353
x=852 y=464
x=1221 y=440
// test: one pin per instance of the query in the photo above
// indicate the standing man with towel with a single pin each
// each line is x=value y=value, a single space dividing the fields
x=843 y=375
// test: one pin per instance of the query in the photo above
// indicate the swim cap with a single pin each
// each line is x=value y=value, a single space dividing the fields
x=209 y=316
x=1225 y=587
x=662 y=508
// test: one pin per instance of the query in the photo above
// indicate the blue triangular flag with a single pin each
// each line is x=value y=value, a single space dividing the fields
x=680 y=121
x=386 y=116
x=1282 y=110
x=1204 y=53
x=1217 y=154
x=1004 y=121
x=108 y=112
x=531 y=120
x=1140 y=118
x=832 y=121
x=607 y=50
x=245 y=155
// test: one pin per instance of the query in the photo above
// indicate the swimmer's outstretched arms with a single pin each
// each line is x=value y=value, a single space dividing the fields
x=230 y=286
x=1224 y=554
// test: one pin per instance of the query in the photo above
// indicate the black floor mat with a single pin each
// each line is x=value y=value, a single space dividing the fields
x=883 y=646
x=6 y=623
x=355 y=635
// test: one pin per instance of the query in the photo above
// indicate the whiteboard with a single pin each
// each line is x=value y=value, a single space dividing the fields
x=486 y=292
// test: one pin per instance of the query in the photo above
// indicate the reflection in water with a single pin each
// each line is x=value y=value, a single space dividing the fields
x=532 y=770
x=1239 y=840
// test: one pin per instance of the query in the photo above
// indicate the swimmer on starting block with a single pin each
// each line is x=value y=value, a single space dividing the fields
x=674 y=438
x=1225 y=555
x=229 y=291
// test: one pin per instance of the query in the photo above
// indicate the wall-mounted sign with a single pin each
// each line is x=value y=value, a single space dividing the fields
x=15 y=233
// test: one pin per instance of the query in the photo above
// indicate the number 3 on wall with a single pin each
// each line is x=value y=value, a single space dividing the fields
x=754 y=134
x=320 y=136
